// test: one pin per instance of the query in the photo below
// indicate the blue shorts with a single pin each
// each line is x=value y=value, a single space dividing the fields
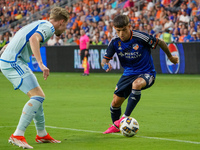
x=124 y=85
x=20 y=75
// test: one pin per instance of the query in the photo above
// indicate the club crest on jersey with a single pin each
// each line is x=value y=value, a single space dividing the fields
x=135 y=47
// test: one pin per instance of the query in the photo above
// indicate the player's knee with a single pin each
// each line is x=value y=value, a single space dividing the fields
x=114 y=104
x=42 y=95
x=117 y=102
x=137 y=86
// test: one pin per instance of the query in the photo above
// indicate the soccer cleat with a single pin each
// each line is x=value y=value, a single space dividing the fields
x=111 y=129
x=19 y=141
x=117 y=122
x=115 y=127
x=46 y=139
x=85 y=74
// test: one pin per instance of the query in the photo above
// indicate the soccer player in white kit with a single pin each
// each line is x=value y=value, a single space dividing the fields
x=13 y=64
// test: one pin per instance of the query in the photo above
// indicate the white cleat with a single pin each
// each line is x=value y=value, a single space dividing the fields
x=19 y=141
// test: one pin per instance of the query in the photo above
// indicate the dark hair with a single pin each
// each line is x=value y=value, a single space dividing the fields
x=121 y=21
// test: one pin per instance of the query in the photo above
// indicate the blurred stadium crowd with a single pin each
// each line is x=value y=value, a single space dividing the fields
x=180 y=19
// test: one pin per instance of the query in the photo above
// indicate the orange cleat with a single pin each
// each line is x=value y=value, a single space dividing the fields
x=46 y=139
x=19 y=141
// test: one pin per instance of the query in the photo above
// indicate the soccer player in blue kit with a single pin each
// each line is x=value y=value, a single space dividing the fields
x=13 y=64
x=134 y=52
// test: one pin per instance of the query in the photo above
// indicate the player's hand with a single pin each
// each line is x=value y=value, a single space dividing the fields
x=107 y=67
x=45 y=71
x=174 y=59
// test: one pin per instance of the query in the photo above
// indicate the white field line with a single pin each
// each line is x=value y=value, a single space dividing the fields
x=90 y=131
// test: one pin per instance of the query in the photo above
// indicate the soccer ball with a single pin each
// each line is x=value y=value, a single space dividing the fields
x=129 y=126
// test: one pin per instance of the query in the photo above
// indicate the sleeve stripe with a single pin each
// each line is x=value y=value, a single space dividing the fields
x=156 y=44
x=142 y=36
x=41 y=35
x=107 y=57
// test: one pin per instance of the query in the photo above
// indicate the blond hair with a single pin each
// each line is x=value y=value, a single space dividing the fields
x=59 y=13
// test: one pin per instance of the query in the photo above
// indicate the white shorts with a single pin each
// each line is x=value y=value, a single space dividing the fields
x=20 y=75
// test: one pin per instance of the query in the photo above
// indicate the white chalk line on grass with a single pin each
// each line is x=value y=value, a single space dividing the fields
x=90 y=131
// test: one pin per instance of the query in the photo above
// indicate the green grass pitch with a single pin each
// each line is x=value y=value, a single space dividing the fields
x=77 y=112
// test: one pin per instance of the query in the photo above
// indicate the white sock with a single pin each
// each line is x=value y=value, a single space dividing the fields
x=125 y=116
x=41 y=133
x=18 y=132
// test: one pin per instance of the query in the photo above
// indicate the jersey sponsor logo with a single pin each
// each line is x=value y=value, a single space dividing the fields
x=135 y=47
x=167 y=66
x=132 y=55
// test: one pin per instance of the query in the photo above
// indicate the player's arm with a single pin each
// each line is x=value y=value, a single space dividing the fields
x=108 y=56
x=3 y=49
x=164 y=47
x=35 y=40
x=87 y=47
x=87 y=44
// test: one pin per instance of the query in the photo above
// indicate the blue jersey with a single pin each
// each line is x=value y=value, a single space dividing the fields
x=134 y=54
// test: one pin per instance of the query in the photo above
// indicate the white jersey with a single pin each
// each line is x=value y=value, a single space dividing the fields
x=19 y=46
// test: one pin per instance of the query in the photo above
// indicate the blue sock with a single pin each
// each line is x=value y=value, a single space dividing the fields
x=115 y=113
x=29 y=111
x=132 y=101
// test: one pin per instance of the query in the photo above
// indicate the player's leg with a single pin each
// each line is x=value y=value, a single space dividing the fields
x=138 y=83
x=122 y=91
x=39 y=120
x=87 y=69
x=135 y=95
x=31 y=107
x=29 y=81
x=142 y=82
x=115 y=108
x=83 y=61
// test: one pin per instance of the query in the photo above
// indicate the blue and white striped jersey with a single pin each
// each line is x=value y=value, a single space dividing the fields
x=135 y=54
x=19 y=46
